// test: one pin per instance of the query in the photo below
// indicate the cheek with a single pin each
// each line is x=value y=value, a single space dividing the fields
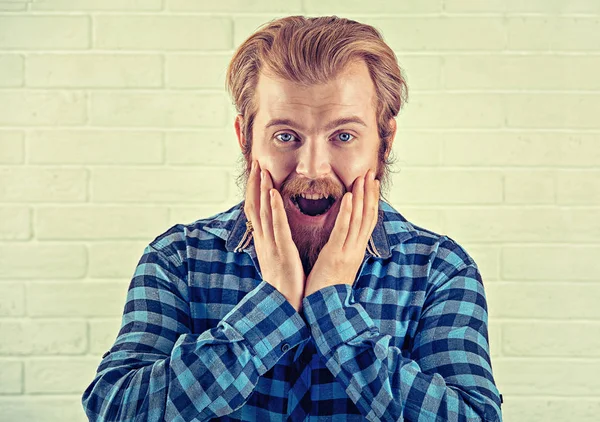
x=352 y=167
x=279 y=167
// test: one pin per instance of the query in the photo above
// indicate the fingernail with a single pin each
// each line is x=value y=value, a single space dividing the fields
x=262 y=175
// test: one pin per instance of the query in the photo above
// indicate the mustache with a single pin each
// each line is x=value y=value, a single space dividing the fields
x=326 y=187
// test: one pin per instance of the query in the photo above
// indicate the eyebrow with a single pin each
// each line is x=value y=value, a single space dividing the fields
x=331 y=125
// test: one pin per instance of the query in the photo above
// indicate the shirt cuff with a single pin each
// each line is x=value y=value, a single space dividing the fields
x=269 y=323
x=335 y=318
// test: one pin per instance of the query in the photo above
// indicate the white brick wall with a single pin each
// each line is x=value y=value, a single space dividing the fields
x=113 y=115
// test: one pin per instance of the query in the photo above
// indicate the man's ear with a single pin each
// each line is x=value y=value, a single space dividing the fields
x=391 y=138
x=239 y=125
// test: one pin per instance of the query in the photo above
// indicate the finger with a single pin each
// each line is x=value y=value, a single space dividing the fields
x=281 y=227
x=266 y=218
x=376 y=216
x=358 y=196
x=369 y=207
x=252 y=203
x=340 y=228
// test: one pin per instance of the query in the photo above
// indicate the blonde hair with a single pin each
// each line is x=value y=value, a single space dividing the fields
x=312 y=51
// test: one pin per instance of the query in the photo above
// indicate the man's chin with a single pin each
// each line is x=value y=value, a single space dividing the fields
x=309 y=239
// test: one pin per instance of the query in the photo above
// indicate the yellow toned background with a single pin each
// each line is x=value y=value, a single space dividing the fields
x=115 y=125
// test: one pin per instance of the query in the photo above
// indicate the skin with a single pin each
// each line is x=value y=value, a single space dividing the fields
x=300 y=255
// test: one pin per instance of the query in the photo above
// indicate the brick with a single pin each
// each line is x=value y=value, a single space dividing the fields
x=549 y=300
x=516 y=148
x=12 y=147
x=103 y=334
x=51 y=108
x=422 y=34
x=12 y=300
x=459 y=6
x=519 y=224
x=433 y=186
x=536 y=377
x=187 y=215
x=106 y=222
x=216 y=147
x=494 y=337
x=106 y=5
x=578 y=187
x=94 y=70
x=59 y=375
x=553 y=33
x=43 y=337
x=44 y=32
x=552 y=111
x=41 y=260
x=422 y=73
x=162 y=32
x=11 y=70
x=235 y=6
x=195 y=71
x=160 y=109
x=427 y=218
x=41 y=408
x=380 y=6
x=86 y=299
x=553 y=339
x=158 y=185
x=531 y=72
x=551 y=262
x=19 y=184
x=413 y=148
x=15 y=223
x=452 y=111
x=530 y=187
x=95 y=147
x=11 y=377
x=116 y=259
x=578 y=149
x=518 y=6
x=487 y=257
x=246 y=25
x=12 y=7
x=544 y=409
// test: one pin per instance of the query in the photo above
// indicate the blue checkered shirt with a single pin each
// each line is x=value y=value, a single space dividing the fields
x=204 y=337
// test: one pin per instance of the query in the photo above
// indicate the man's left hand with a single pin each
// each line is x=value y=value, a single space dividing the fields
x=342 y=255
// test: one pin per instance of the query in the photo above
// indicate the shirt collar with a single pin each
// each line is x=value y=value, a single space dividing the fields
x=391 y=228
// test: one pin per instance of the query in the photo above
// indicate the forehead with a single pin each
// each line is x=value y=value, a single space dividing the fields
x=350 y=93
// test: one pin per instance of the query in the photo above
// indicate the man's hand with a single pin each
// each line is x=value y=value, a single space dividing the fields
x=277 y=254
x=343 y=253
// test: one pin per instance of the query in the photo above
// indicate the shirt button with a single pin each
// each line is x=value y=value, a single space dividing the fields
x=285 y=347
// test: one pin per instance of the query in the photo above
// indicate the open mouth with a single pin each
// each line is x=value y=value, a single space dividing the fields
x=312 y=205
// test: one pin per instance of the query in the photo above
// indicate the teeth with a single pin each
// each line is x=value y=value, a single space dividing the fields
x=312 y=196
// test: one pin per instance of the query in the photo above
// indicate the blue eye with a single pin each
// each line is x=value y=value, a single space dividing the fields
x=287 y=135
x=345 y=139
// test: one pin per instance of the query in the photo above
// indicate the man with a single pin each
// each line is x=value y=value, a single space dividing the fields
x=311 y=299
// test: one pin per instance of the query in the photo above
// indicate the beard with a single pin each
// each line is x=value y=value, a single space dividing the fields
x=309 y=238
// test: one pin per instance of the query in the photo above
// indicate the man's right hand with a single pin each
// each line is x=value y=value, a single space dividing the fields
x=277 y=253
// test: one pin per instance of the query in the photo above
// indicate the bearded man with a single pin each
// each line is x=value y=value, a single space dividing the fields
x=313 y=298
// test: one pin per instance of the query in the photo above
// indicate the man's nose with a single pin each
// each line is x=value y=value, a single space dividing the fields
x=313 y=159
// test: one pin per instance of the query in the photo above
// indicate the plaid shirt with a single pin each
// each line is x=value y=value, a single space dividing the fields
x=204 y=337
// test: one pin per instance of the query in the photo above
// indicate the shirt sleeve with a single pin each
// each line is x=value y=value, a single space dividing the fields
x=159 y=370
x=446 y=377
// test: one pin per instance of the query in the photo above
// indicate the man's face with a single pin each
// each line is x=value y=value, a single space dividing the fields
x=308 y=154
